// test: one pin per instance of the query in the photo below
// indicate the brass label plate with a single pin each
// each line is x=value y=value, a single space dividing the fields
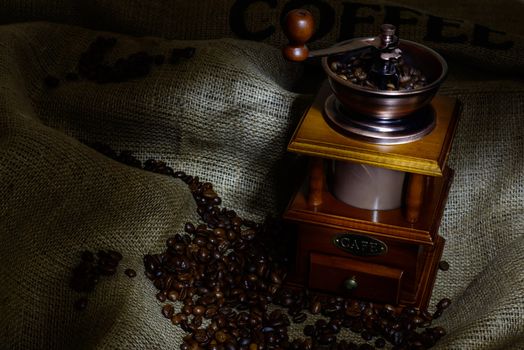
x=359 y=245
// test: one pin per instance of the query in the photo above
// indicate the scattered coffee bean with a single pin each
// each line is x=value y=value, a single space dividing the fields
x=437 y=313
x=199 y=310
x=178 y=318
x=443 y=304
x=299 y=317
x=168 y=311
x=366 y=335
x=172 y=295
x=130 y=273
x=380 y=343
x=161 y=296
x=177 y=54
x=220 y=337
x=201 y=336
x=443 y=265
x=315 y=307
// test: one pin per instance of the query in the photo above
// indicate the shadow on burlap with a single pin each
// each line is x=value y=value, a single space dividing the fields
x=225 y=115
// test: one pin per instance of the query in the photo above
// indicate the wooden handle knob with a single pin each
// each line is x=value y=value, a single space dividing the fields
x=299 y=26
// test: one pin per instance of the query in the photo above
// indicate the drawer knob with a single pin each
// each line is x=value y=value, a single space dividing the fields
x=350 y=283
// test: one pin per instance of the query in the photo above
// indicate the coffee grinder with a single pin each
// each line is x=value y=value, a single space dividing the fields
x=367 y=214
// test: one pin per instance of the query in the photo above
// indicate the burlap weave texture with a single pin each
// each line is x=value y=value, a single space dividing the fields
x=224 y=115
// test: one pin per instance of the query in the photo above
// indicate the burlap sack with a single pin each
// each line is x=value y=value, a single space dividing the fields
x=224 y=115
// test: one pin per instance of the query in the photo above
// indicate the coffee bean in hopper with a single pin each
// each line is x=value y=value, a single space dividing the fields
x=130 y=273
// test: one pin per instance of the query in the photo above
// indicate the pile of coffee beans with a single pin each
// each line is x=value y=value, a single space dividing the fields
x=93 y=65
x=222 y=282
x=87 y=273
x=356 y=69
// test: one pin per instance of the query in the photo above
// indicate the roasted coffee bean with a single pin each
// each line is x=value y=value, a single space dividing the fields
x=353 y=311
x=150 y=264
x=437 y=313
x=172 y=295
x=168 y=311
x=158 y=282
x=428 y=339
x=299 y=317
x=176 y=54
x=208 y=299
x=187 y=309
x=368 y=311
x=439 y=331
x=221 y=337
x=315 y=307
x=248 y=235
x=397 y=337
x=196 y=322
x=189 y=227
x=307 y=344
x=366 y=335
x=182 y=294
x=309 y=330
x=201 y=336
x=275 y=278
x=443 y=265
x=106 y=270
x=209 y=193
x=410 y=311
x=127 y=158
x=443 y=304
x=161 y=296
x=417 y=320
x=380 y=343
x=326 y=339
x=416 y=345
x=177 y=318
x=114 y=255
x=130 y=273
x=186 y=326
x=199 y=310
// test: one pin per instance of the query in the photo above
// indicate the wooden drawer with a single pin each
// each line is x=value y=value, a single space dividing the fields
x=374 y=282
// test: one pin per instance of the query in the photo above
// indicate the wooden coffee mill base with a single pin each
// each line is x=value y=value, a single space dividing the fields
x=385 y=256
